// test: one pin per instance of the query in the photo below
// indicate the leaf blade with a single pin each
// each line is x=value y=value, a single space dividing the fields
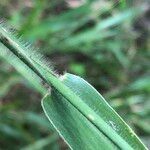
x=85 y=91
x=74 y=128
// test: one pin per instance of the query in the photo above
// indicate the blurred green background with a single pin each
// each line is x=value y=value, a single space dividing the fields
x=106 y=42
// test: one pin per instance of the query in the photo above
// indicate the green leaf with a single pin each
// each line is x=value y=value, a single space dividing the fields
x=75 y=127
x=80 y=100
x=76 y=130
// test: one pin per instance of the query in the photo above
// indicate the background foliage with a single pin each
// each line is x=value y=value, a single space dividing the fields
x=104 y=41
